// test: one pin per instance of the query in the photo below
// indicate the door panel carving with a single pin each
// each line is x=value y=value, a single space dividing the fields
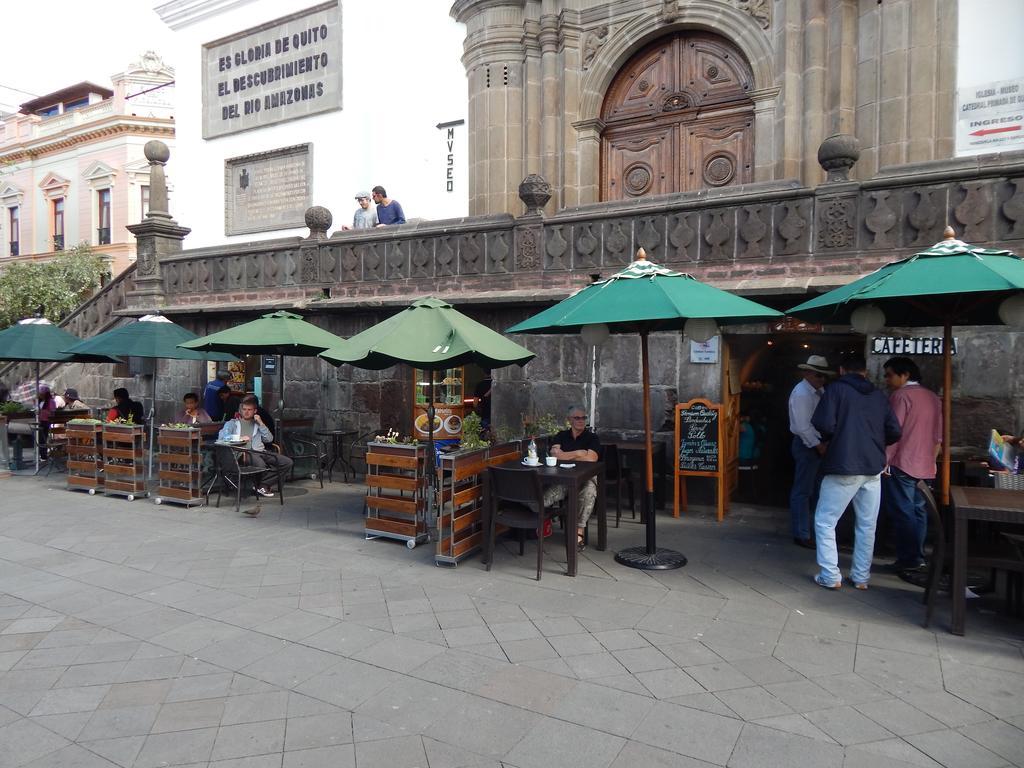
x=678 y=119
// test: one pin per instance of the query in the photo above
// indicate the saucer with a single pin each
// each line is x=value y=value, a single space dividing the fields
x=526 y=463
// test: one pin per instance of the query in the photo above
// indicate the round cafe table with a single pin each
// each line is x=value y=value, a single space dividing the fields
x=338 y=437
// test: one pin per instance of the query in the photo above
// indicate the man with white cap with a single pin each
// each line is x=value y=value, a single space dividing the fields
x=807 y=447
x=365 y=217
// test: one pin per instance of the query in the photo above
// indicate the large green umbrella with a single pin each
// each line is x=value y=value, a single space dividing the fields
x=278 y=333
x=37 y=340
x=151 y=336
x=644 y=298
x=431 y=335
x=951 y=283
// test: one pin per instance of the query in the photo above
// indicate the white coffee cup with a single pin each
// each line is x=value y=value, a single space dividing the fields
x=551 y=461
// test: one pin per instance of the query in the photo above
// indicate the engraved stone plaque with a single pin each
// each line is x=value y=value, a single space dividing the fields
x=268 y=190
x=285 y=69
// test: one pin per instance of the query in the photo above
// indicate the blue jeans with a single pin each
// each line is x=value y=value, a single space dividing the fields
x=804 y=480
x=905 y=506
x=837 y=491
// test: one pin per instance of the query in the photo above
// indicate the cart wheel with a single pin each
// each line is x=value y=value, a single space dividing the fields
x=92 y=491
x=411 y=543
x=131 y=497
x=158 y=500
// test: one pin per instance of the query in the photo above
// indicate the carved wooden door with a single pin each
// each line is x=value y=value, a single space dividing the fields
x=678 y=118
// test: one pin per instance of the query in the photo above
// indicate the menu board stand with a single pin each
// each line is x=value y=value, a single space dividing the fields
x=699 y=440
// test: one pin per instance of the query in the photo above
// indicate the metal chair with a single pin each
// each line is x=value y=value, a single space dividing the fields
x=309 y=448
x=56 y=448
x=617 y=476
x=516 y=500
x=233 y=472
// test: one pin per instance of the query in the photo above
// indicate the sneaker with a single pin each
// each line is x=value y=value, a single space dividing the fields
x=862 y=585
x=826 y=584
x=262 y=491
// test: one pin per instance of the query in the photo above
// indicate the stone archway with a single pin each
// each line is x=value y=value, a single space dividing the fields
x=678 y=117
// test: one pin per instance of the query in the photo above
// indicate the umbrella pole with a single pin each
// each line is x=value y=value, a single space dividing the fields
x=152 y=428
x=431 y=454
x=947 y=407
x=38 y=433
x=280 y=404
x=649 y=557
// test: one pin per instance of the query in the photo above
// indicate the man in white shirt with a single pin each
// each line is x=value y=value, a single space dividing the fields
x=807 y=448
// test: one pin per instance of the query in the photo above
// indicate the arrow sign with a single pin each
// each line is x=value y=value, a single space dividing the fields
x=988 y=131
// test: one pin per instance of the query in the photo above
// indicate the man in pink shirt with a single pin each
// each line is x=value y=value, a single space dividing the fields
x=912 y=458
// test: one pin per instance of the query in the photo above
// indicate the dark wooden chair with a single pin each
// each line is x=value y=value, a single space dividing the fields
x=235 y=473
x=1001 y=555
x=516 y=500
x=617 y=477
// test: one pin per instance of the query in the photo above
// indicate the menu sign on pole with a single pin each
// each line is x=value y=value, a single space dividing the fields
x=699 y=439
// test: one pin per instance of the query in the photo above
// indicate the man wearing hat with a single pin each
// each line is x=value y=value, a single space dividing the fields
x=72 y=402
x=365 y=217
x=807 y=447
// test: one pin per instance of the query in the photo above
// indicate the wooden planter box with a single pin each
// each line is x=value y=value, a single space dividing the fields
x=396 y=499
x=460 y=523
x=124 y=460
x=85 y=457
x=179 y=465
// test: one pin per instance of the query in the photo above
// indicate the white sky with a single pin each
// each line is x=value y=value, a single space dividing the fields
x=81 y=41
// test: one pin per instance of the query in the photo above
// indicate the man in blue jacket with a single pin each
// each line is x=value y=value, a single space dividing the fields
x=855 y=419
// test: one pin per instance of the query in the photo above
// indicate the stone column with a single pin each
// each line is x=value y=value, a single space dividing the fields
x=570 y=62
x=157 y=236
x=588 y=142
x=551 y=103
x=813 y=83
x=789 y=62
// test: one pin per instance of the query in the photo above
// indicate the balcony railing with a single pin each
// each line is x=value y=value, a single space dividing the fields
x=103 y=235
x=15 y=249
x=58 y=242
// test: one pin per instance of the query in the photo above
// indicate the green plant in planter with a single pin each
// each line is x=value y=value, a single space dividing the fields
x=548 y=424
x=505 y=433
x=471 y=433
x=12 y=408
x=84 y=421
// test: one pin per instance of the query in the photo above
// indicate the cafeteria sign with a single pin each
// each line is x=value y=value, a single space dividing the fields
x=908 y=345
x=990 y=117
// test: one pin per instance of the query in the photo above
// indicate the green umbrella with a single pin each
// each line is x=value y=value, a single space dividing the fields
x=641 y=299
x=151 y=336
x=278 y=333
x=432 y=335
x=951 y=283
x=37 y=340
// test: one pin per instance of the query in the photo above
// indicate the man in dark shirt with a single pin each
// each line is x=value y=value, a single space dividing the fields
x=212 y=403
x=388 y=211
x=230 y=401
x=571 y=445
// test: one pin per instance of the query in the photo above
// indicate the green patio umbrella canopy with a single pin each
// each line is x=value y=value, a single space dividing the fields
x=432 y=335
x=151 y=336
x=278 y=333
x=951 y=283
x=645 y=298
x=37 y=340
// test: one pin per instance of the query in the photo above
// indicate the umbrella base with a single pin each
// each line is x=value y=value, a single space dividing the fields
x=660 y=560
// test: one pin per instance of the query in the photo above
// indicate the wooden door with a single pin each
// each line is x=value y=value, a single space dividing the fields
x=678 y=118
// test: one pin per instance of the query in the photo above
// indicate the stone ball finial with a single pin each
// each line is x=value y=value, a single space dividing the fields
x=837 y=155
x=949 y=233
x=156 y=151
x=319 y=220
x=535 y=192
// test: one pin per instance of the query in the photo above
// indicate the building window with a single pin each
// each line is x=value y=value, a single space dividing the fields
x=58 y=224
x=145 y=200
x=103 y=208
x=14 y=220
x=77 y=104
x=49 y=111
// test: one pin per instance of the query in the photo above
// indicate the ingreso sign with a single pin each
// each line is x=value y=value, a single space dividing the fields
x=990 y=117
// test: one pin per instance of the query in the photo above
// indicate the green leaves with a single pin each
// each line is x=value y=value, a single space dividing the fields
x=58 y=285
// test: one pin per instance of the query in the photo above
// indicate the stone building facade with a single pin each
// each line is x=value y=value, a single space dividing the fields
x=542 y=76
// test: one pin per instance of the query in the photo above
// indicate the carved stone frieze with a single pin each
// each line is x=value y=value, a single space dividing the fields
x=555 y=248
x=498 y=252
x=423 y=257
x=719 y=236
x=925 y=215
x=351 y=265
x=373 y=264
x=396 y=260
x=618 y=251
x=793 y=227
x=593 y=42
x=470 y=254
x=1012 y=209
x=650 y=235
x=445 y=258
x=753 y=229
x=974 y=210
x=837 y=222
x=880 y=219
x=528 y=248
x=587 y=247
x=310 y=266
x=682 y=229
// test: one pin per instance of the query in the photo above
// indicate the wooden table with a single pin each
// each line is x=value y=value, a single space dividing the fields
x=573 y=479
x=989 y=504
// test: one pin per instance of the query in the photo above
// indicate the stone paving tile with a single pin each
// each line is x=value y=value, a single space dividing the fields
x=719 y=676
x=689 y=732
x=897 y=751
x=181 y=748
x=899 y=717
x=1005 y=740
x=603 y=709
x=595 y=666
x=554 y=742
x=246 y=739
x=995 y=691
x=753 y=703
x=537 y=690
x=797 y=724
x=954 y=750
x=324 y=757
x=400 y=752
x=761 y=747
x=668 y=683
x=848 y=726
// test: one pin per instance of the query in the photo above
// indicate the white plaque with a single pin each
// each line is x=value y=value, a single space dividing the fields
x=282 y=70
x=268 y=191
x=704 y=351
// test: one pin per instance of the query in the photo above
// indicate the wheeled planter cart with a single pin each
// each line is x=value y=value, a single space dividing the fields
x=396 y=492
x=85 y=457
x=179 y=466
x=124 y=460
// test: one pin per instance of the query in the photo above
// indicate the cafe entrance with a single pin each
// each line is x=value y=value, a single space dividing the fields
x=766 y=367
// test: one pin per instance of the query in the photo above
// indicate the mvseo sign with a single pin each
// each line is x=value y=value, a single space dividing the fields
x=449 y=153
x=990 y=117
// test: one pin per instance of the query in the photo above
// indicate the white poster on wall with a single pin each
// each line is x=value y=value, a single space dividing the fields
x=990 y=117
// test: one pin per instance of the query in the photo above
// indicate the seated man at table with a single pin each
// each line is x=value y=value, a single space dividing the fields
x=249 y=427
x=264 y=414
x=571 y=445
x=192 y=413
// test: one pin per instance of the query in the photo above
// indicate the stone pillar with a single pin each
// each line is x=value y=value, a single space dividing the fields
x=588 y=142
x=813 y=82
x=551 y=103
x=157 y=236
x=535 y=193
x=789 y=61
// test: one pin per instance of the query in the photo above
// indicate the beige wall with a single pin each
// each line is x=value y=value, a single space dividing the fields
x=538 y=71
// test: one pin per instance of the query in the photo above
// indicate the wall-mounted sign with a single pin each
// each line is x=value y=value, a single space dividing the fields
x=704 y=351
x=449 y=152
x=908 y=345
x=270 y=365
x=282 y=70
x=990 y=117
x=268 y=191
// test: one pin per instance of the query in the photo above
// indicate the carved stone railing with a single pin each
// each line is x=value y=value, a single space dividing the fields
x=756 y=236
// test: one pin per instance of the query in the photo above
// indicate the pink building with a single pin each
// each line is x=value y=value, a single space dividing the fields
x=71 y=164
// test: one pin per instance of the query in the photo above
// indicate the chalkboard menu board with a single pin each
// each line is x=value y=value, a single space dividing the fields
x=698 y=438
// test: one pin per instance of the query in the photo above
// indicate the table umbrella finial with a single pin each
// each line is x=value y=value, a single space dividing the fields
x=641 y=254
x=949 y=233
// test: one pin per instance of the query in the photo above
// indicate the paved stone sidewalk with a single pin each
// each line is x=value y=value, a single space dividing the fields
x=140 y=635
